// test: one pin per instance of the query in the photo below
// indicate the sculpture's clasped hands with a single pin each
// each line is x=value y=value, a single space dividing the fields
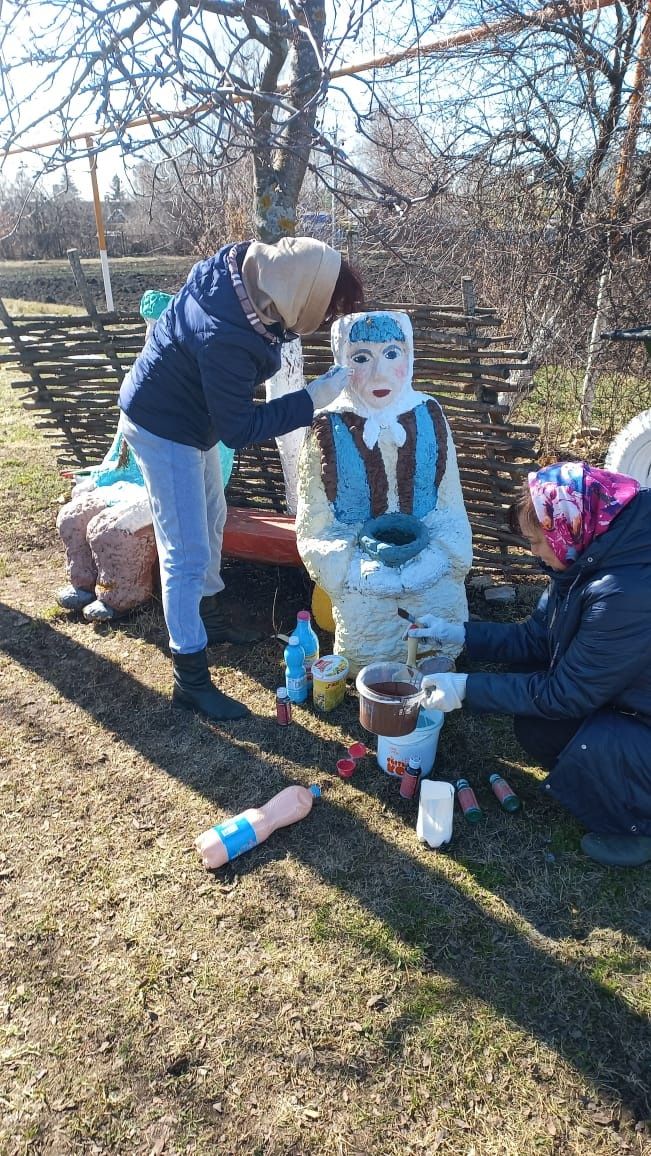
x=447 y=691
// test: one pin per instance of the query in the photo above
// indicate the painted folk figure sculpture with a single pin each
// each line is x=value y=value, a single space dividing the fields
x=106 y=527
x=108 y=538
x=381 y=521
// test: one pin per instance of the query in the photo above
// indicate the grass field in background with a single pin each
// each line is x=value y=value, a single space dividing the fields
x=555 y=401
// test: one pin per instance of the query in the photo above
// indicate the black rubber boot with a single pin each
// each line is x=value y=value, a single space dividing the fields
x=618 y=850
x=193 y=690
x=219 y=629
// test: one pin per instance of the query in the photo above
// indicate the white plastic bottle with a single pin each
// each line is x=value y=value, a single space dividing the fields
x=227 y=840
x=435 y=811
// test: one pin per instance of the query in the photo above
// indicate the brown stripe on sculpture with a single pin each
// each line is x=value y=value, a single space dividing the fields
x=123 y=455
x=440 y=429
x=372 y=459
x=322 y=430
x=406 y=464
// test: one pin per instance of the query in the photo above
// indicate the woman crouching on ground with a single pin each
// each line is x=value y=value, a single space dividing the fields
x=582 y=710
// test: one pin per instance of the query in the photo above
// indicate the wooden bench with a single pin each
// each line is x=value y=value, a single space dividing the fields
x=260 y=536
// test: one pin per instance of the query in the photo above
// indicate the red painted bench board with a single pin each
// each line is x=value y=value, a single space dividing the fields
x=259 y=536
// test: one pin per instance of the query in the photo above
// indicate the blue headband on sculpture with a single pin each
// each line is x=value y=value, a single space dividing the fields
x=376 y=327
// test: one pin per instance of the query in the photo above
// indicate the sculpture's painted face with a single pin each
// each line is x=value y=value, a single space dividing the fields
x=378 y=353
x=380 y=372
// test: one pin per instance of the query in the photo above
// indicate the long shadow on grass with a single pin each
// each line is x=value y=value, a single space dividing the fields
x=450 y=931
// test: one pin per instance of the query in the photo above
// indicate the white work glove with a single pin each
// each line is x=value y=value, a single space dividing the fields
x=326 y=388
x=439 y=630
x=447 y=691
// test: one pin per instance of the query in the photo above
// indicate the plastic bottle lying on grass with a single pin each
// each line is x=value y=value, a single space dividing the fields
x=505 y=793
x=225 y=841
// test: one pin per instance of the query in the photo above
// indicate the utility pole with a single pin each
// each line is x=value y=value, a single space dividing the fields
x=99 y=222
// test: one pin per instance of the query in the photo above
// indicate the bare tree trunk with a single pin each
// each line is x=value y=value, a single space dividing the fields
x=622 y=181
x=591 y=376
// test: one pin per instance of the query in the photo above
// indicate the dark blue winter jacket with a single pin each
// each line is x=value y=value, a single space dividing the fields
x=588 y=645
x=195 y=380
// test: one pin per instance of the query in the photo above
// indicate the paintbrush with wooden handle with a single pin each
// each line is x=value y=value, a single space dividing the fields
x=412 y=643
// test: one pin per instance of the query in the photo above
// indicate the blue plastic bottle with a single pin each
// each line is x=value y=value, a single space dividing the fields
x=295 y=676
x=308 y=641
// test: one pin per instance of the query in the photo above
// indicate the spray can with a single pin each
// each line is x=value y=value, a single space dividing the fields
x=504 y=793
x=468 y=801
x=412 y=650
x=283 y=707
x=410 y=778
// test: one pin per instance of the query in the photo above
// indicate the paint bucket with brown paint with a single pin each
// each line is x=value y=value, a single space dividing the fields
x=390 y=696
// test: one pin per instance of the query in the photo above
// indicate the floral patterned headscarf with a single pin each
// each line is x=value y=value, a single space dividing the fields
x=575 y=503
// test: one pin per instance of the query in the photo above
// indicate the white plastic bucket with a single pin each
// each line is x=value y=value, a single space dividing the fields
x=393 y=754
x=435 y=813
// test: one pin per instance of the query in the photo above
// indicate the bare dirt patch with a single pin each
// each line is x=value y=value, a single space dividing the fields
x=52 y=282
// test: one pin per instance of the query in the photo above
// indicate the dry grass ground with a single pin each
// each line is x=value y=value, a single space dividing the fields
x=340 y=990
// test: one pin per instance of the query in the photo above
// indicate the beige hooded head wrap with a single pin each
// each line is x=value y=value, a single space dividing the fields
x=291 y=282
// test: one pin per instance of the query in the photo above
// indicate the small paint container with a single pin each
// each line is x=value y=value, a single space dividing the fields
x=357 y=751
x=283 y=707
x=346 y=768
x=329 y=681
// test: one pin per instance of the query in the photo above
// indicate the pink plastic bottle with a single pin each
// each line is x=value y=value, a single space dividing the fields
x=227 y=840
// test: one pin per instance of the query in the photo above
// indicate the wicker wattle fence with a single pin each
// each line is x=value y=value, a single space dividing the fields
x=71 y=368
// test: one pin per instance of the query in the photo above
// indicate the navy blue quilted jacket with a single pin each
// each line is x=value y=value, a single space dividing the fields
x=195 y=380
x=588 y=648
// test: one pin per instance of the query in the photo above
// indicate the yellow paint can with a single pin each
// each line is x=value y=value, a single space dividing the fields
x=329 y=681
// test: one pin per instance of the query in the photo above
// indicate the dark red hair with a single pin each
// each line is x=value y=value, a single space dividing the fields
x=522 y=515
x=347 y=296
